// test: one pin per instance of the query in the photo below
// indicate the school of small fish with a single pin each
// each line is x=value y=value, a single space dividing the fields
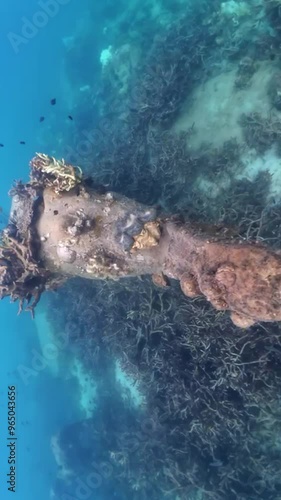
x=53 y=101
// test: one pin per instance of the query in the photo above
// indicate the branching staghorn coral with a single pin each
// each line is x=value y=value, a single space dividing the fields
x=260 y=132
x=209 y=388
x=173 y=63
x=210 y=381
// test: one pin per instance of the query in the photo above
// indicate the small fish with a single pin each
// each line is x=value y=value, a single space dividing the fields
x=41 y=119
x=53 y=101
x=1 y=145
x=22 y=142
x=70 y=117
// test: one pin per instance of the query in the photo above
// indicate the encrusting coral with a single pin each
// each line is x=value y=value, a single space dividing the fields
x=75 y=231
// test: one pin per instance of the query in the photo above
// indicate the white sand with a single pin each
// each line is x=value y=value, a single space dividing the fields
x=214 y=110
x=87 y=388
x=47 y=340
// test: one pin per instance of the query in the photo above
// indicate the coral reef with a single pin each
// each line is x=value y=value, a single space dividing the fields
x=54 y=173
x=209 y=422
x=272 y=9
x=261 y=133
x=81 y=233
x=211 y=415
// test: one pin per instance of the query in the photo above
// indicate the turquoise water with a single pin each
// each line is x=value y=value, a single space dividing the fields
x=125 y=390
x=29 y=79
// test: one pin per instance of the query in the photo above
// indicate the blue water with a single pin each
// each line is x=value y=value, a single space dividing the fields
x=29 y=79
x=210 y=419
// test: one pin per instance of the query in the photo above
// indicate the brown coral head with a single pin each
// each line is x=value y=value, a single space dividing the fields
x=241 y=320
x=160 y=280
x=226 y=276
x=213 y=290
x=189 y=285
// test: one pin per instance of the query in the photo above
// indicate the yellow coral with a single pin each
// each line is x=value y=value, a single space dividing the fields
x=57 y=174
x=148 y=237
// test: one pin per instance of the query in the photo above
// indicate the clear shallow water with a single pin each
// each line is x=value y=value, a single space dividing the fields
x=135 y=437
x=29 y=79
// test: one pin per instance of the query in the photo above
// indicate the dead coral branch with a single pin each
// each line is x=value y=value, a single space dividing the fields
x=56 y=174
